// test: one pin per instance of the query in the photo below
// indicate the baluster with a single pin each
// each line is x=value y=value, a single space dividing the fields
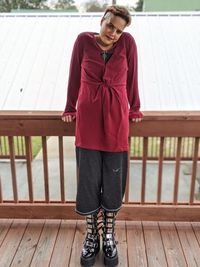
x=61 y=164
x=194 y=170
x=177 y=170
x=128 y=174
x=23 y=146
x=144 y=163
x=29 y=166
x=160 y=168
x=45 y=165
x=13 y=168
x=17 y=146
x=1 y=194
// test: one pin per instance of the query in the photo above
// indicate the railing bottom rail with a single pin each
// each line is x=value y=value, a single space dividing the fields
x=135 y=212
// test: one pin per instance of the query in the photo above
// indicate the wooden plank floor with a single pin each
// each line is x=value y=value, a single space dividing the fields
x=57 y=243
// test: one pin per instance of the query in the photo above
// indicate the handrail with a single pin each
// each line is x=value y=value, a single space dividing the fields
x=151 y=125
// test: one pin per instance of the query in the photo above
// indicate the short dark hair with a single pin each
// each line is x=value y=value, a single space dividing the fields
x=119 y=11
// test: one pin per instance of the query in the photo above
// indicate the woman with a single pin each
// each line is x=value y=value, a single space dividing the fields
x=102 y=96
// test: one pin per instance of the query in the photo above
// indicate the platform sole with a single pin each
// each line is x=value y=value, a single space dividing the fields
x=111 y=261
x=87 y=262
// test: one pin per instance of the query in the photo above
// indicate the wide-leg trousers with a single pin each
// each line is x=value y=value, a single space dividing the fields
x=101 y=180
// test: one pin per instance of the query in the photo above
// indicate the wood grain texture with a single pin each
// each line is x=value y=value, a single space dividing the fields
x=189 y=242
x=77 y=244
x=165 y=123
x=63 y=246
x=46 y=244
x=136 y=212
x=177 y=171
x=59 y=243
x=45 y=167
x=194 y=169
x=160 y=170
x=144 y=166
x=172 y=246
x=61 y=167
x=29 y=166
x=11 y=242
x=1 y=192
x=136 y=245
x=196 y=228
x=154 y=247
x=5 y=225
x=28 y=244
x=13 y=168
x=121 y=239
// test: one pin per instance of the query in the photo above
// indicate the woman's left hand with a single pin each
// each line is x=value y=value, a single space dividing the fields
x=136 y=116
x=136 y=119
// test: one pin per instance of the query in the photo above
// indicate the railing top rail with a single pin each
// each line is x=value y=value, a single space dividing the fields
x=148 y=115
x=155 y=123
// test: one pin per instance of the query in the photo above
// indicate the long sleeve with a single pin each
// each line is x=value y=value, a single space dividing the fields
x=74 y=78
x=132 y=80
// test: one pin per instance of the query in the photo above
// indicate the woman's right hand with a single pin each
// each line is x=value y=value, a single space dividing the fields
x=68 y=118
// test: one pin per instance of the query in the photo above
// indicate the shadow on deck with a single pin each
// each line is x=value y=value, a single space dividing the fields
x=58 y=243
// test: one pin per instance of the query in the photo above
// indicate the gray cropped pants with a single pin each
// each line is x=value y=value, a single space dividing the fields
x=101 y=180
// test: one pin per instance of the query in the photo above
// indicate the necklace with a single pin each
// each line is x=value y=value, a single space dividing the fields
x=104 y=54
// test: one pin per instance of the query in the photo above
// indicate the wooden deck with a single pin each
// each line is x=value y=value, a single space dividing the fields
x=57 y=243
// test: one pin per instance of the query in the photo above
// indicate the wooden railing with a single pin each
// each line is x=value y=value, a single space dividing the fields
x=135 y=149
x=19 y=147
x=152 y=201
x=169 y=153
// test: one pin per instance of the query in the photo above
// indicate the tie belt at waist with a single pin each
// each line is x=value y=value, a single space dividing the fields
x=112 y=105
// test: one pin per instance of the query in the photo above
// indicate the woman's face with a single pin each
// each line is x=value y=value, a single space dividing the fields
x=111 y=29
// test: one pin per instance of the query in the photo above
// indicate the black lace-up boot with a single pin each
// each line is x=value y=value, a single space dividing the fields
x=92 y=241
x=108 y=235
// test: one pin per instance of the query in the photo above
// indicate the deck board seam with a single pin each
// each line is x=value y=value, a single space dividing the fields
x=7 y=232
x=161 y=237
x=75 y=229
x=145 y=244
x=55 y=242
x=127 y=242
x=181 y=244
x=198 y=241
x=42 y=228
x=27 y=223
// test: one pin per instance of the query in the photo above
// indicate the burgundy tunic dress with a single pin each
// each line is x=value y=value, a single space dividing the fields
x=103 y=96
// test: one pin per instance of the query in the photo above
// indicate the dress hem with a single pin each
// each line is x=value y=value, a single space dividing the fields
x=123 y=149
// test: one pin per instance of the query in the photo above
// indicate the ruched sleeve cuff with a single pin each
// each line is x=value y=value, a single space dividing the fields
x=135 y=114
